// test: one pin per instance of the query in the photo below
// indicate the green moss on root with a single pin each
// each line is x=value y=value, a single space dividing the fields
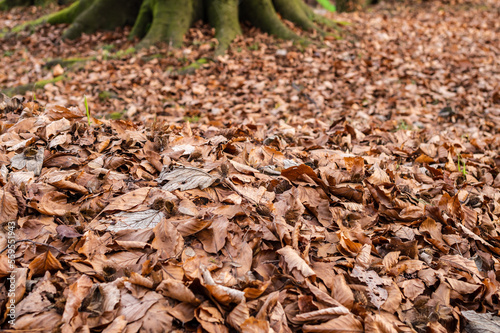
x=261 y=13
x=169 y=21
x=293 y=11
x=21 y=90
x=223 y=16
x=102 y=15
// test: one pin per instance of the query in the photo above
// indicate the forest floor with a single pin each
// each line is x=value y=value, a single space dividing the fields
x=348 y=186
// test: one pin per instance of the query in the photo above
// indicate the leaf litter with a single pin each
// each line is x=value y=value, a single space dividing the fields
x=360 y=195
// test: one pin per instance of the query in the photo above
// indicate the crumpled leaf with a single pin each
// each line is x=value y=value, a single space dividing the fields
x=222 y=294
x=294 y=261
x=253 y=325
x=77 y=292
x=177 y=290
x=133 y=308
x=379 y=176
x=238 y=316
x=210 y=318
x=42 y=263
x=8 y=206
x=168 y=240
x=55 y=203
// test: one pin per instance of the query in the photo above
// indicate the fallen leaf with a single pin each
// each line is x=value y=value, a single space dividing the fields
x=186 y=178
x=294 y=261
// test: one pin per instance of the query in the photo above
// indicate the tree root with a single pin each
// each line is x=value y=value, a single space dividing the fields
x=167 y=21
x=261 y=14
x=69 y=14
x=66 y=15
x=223 y=16
x=293 y=10
x=93 y=15
x=8 y=4
x=21 y=90
x=321 y=19
x=170 y=19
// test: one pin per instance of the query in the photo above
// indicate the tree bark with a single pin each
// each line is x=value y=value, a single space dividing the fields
x=102 y=15
x=223 y=16
x=167 y=21
x=262 y=14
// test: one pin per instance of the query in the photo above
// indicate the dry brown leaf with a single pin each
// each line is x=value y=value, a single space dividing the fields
x=55 y=203
x=378 y=176
x=128 y=200
x=238 y=315
x=346 y=323
x=459 y=262
x=391 y=259
x=363 y=259
x=341 y=291
x=253 y=325
x=323 y=314
x=8 y=207
x=177 y=290
x=133 y=308
x=294 y=261
x=77 y=292
x=168 y=241
x=117 y=326
x=412 y=288
x=462 y=287
x=222 y=294
x=210 y=318
x=43 y=263
x=133 y=221
x=378 y=324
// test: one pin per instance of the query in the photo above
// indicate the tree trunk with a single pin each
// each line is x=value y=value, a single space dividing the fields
x=223 y=16
x=167 y=21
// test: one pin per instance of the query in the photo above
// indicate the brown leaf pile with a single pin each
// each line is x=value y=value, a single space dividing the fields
x=317 y=191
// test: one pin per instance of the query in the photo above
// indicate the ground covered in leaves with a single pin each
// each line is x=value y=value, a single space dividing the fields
x=346 y=187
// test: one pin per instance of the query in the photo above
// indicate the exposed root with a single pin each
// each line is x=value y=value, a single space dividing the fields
x=66 y=15
x=167 y=21
x=319 y=18
x=261 y=13
x=7 y=4
x=21 y=90
x=102 y=15
x=69 y=14
x=170 y=21
x=223 y=16
x=293 y=10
